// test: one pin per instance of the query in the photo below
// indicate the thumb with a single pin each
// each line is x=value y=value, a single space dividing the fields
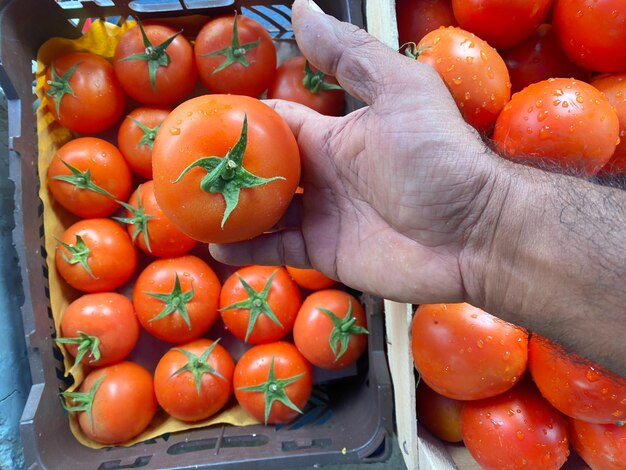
x=345 y=51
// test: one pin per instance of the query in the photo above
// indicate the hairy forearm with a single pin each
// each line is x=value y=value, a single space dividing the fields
x=549 y=254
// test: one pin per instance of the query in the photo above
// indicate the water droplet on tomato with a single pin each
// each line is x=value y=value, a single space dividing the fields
x=469 y=59
x=529 y=130
x=539 y=103
x=592 y=375
x=439 y=60
x=467 y=95
x=507 y=355
x=614 y=13
x=530 y=109
x=565 y=104
x=457 y=80
x=520 y=435
x=544 y=132
x=542 y=115
x=580 y=99
x=450 y=69
x=484 y=56
x=474 y=77
x=175 y=131
x=558 y=92
x=547 y=456
x=492 y=97
x=480 y=343
x=617 y=413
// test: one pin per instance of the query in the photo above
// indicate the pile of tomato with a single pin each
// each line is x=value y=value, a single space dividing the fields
x=544 y=82
x=197 y=158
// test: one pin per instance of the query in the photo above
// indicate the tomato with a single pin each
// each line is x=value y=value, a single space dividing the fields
x=150 y=229
x=248 y=196
x=574 y=385
x=95 y=255
x=259 y=304
x=83 y=93
x=176 y=298
x=592 y=32
x=472 y=70
x=310 y=278
x=114 y=403
x=330 y=329
x=99 y=329
x=273 y=382
x=235 y=55
x=297 y=81
x=418 y=17
x=136 y=138
x=194 y=381
x=560 y=121
x=157 y=68
x=502 y=23
x=464 y=353
x=517 y=429
x=440 y=415
x=87 y=176
x=601 y=446
x=614 y=88
x=538 y=58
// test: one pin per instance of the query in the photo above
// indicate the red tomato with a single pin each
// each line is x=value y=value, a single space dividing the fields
x=87 y=176
x=236 y=205
x=601 y=446
x=259 y=304
x=194 y=381
x=121 y=399
x=440 y=415
x=517 y=429
x=502 y=23
x=538 y=58
x=330 y=329
x=297 y=81
x=136 y=138
x=273 y=382
x=418 y=17
x=176 y=298
x=158 y=68
x=614 y=88
x=562 y=121
x=592 y=32
x=310 y=278
x=150 y=229
x=235 y=55
x=99 y=329
x=472 y=70
x=95 y=255
x=464 y=353
x=574 y=385
x=84 y=94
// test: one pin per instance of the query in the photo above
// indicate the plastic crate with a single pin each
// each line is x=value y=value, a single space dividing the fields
x=360 y=422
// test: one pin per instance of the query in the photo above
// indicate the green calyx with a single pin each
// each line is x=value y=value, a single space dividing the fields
x=79 y=254
x=86 y=344
x=342 y=330
x=235 y=53
x=256 y=303
x=60 y=86
x=412 y=51
x=274 y=390
x=314 y=81
x=198 y=365
x=82 y=401
x=139 y=219
x=154 y=55
x=227 y=175
x=149 y=133
x=175 y=301
x=82 y=180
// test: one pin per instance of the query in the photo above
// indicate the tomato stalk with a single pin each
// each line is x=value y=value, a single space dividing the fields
x=412 y=51
x=79 y=252
x=198 y=365
x=314 y=81
x=227 y=175
x=342 y=330
x=175 y=301
x=139 y=219
x=83 y=401
x=149 y=133
x=86 y=344
x=60 y=86
x=82 y=180
x=274 y=390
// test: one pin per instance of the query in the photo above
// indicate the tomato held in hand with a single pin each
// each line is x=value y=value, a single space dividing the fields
x=99 y=329
x=155 y=64
x=176 y=298
x=235 y=55
x=297 y=81
x=574 y=385
x=87 y=176
x=273 y=382
x=310 y=278
x=416 y=18
x=136 y=135
x=259 y=304
x=560 y=121
x=95 y=255
x=230 y=180
x=84 y=93
x=464 y=353
x=194 y=381
x=517 y=429
x=601 y=446
x=150 y=229
x=614 y=88
x=440 y=415
x=330 y=329
x=114 y=403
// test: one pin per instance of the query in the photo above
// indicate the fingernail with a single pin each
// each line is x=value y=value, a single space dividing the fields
x=314 y=7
